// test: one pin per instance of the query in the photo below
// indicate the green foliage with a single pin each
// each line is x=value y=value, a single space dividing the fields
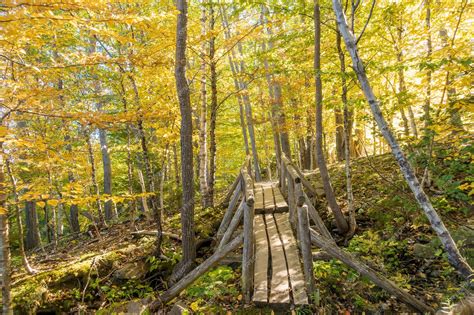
x=209 y=291
x=130 y=290
x=387 y=252
x=214 y=284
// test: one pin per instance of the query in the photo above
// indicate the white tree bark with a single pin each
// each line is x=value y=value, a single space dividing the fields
x=437 y=224
x=203 y=172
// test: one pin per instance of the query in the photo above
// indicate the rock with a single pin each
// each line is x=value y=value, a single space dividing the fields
x=178 y=309
x=423 y=251
x=131 y=271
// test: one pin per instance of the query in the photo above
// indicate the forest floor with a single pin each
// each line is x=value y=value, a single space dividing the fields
x=85 y=274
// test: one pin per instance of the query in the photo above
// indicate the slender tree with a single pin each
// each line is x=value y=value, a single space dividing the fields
x=203 y=163
x=186 y=133
x=211 y=178
x=4 y=246
x=330 y=196
x=18 y=217
x=437 y=224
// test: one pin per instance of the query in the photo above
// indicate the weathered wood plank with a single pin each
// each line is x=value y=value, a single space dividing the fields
x=259 y=202
x=260 y=293
x=269 y=203
x=279 y=287
x=300 y=297
x=280 y=203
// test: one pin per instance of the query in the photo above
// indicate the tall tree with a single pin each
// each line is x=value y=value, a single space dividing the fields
x=4 y=245
x=211 y=178
x=330 y=196
x=276 y=92
x=203 y=163
x=18 y=216
x=437 y=224
x=186 y=136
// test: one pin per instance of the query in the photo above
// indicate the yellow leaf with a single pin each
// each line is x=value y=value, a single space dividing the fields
x=53 y=202
x=195 y=306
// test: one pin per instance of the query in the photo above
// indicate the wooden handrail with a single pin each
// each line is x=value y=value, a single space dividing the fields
x=249 y=248
x=291 y=169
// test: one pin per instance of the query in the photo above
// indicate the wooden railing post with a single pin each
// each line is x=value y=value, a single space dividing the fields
x=305 y=247
x=282 y=177
x=292 y=202
x=249 y=243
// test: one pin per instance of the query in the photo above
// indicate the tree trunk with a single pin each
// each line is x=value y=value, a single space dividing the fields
x=346 y=135
x=213 y=119
x=235 y=71
x=275 y=93
x=428 y=134
x=248 y=116
x=95 y=186
x=19 y=219
x=132 y=203
x=331 y=198
x=452 y=251
x=203 y=172
x=186 y=136
x=106 y=163
x=339 y=134
x=177 y=178
x=402 y=89
x=406 y=130
x=4 y=248
x=150 y=183
x=33 y=238
x=429 y=48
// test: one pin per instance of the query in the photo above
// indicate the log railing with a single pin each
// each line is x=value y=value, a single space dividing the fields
x=294 y=186
x=249 y=243
x=242 y=190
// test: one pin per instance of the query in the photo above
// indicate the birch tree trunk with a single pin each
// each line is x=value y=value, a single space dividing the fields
x=19 y=219
x=437 y=224
x=203 y=172
x=186 y=133
x=346 y=135
x=330 y=196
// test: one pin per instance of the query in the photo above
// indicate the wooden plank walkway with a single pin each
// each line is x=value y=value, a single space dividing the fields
x=268 y=198
x=278 y=276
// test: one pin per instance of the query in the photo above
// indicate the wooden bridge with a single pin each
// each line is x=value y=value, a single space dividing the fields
x=272 y=272
x=272 y=220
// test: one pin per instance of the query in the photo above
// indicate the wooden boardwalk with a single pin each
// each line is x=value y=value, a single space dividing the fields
x=268 y=198
x=278 y=276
